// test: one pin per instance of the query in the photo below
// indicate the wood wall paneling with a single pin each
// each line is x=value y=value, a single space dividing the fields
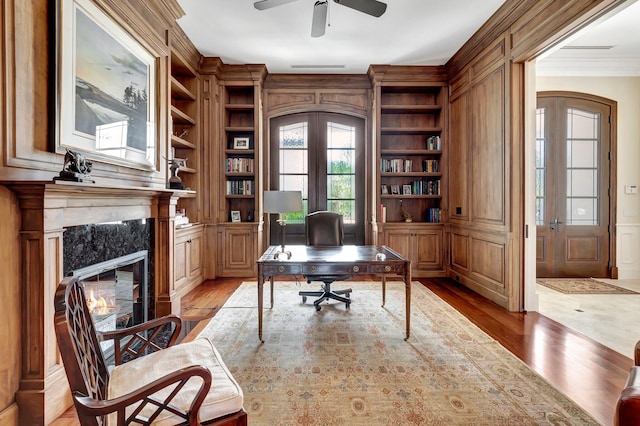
x=488 y=260
x=11 y=334
x=460 y=251
x=459 y=136
x=488 y=161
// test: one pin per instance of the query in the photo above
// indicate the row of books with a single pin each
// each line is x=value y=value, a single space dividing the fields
x=239 y=165
x=430 y=166
x=398 y=165
x=432 y=215
x=434 y=143
x=240 y=187
x=429 y=187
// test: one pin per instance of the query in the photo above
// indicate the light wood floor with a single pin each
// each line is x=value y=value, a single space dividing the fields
x=584 y=370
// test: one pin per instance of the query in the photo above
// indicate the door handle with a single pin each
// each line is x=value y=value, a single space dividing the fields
x=553 y=224
x=558 y=223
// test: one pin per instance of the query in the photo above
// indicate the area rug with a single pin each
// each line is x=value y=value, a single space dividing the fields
x=352 y=366
x=582 y=286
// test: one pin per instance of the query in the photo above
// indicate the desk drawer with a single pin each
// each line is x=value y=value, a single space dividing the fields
x=333 y=269
x=281 y=269
x=387 y=269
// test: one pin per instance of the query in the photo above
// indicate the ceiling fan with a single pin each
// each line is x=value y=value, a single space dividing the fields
x=319 y=22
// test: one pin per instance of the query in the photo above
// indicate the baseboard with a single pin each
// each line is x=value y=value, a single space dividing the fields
x=9 y=416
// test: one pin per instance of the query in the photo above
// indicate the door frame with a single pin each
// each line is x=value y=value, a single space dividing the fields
x=363 y=156
x=612 y=270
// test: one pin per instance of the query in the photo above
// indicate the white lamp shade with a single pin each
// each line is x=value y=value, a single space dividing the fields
x=282 y=201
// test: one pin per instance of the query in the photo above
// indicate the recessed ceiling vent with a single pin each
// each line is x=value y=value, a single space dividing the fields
x=311 y=66
x=587 y=47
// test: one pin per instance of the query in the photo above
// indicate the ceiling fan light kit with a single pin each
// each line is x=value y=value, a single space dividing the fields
x=373 y=8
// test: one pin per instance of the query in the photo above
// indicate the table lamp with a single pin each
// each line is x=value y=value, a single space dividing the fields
x=282 y=202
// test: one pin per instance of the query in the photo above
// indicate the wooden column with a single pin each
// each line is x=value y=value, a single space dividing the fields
x=167 y=301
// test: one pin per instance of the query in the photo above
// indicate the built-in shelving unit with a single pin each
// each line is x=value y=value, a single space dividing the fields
x=184 y=130
x=240 y=152
x=411 y=170
x=410 y=167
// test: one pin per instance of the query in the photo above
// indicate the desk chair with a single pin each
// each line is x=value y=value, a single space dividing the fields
x=185 y=384
x=326 y=229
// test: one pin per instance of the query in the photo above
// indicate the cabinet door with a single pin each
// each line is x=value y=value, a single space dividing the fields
x=194 y=248
x=428 y=254
x=238 y=253
x=400 y=241
x=180 y=271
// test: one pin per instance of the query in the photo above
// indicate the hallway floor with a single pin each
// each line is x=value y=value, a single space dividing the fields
x=610 y=319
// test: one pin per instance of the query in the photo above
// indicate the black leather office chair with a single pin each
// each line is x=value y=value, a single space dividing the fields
x=325 y=229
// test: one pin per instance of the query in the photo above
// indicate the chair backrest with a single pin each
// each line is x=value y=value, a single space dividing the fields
x=78 y=341
x=324 y=228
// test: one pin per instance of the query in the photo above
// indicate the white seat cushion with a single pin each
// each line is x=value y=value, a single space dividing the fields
x=225 y=396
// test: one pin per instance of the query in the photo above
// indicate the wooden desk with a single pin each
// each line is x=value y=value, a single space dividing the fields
x=352 y=260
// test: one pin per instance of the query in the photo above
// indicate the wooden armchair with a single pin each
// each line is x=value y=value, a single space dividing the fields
x=628 y=406
x=186 y=384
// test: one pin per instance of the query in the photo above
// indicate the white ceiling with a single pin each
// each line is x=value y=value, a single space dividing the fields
x=411 y=32
x=609 y=47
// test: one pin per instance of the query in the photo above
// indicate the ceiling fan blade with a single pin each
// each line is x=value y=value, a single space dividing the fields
x=268 y=4
x=370 y=7
x=319 y=23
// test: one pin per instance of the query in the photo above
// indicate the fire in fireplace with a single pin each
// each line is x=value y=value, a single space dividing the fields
x=116 y=292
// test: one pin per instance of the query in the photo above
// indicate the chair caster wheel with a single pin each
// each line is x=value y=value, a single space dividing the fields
x=304 y=299
x=318 y=307
x=348 y=305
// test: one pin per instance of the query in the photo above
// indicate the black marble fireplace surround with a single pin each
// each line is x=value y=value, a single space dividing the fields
x=87 y=245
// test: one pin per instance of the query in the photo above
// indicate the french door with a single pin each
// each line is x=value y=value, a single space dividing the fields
x=572 y=187
x=322 y=155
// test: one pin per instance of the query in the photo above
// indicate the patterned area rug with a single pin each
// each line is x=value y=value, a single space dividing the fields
x=582 y=286
x=353 y=367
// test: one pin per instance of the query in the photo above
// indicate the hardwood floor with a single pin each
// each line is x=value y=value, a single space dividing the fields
x=584 y=370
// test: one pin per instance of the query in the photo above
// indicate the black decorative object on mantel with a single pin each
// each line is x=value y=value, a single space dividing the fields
x=76 y=168
x=174 y=181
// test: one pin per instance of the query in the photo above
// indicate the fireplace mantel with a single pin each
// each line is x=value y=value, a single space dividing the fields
x=47 y=208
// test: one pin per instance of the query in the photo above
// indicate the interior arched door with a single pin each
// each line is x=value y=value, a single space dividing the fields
x=573 y=175
x=322 y=155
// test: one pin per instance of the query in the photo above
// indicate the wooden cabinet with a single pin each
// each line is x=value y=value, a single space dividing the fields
x=184 y=129
x=237 y=243
x=420 y=243
x=188 y=258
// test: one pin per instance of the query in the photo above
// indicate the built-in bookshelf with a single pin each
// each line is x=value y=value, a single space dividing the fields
x=411 y=147
x=239 y=154
x=184 y=131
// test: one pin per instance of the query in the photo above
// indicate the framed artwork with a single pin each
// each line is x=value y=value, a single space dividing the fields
x=384 y=189
x=395 y=189
x=106 y=96
x=235 y=216
x=406 y=189
x=240 y=143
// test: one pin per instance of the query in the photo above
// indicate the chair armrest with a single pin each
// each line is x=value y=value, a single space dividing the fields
x=636 y=354
x=628 y=406
x=136 y=342
x=89 y=407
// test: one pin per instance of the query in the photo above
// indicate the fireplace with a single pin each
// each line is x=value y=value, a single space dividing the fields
x=114 y=261
x=67 y=226
x=117 y=292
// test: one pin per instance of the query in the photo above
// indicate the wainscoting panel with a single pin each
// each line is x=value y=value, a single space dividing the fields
x=628 y=250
